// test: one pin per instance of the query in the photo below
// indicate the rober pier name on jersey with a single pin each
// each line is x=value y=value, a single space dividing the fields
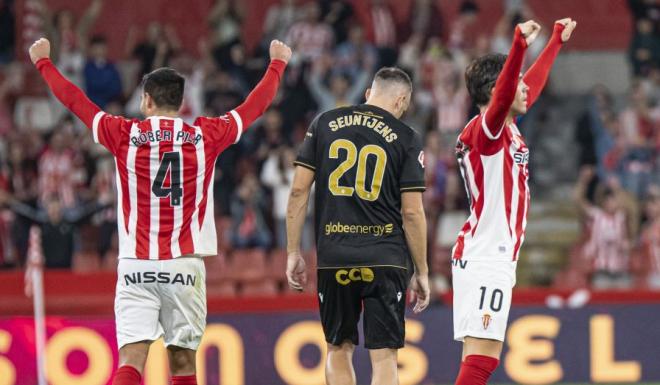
x=145 y=137
x=366 y=120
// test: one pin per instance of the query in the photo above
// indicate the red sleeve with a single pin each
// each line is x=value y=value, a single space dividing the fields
x=505 y=88
x=68 y=93
x=109 y=130
x=537 y=75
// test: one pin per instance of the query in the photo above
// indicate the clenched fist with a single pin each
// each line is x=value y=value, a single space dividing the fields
x=39 y=49
x=530 y=30
x=280 y=51
x=569 y=25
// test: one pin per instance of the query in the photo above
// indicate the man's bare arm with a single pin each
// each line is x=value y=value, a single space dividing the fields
x=414 y=227
x=295 y=220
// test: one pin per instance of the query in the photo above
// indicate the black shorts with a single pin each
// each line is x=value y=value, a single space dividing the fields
x=343 y=292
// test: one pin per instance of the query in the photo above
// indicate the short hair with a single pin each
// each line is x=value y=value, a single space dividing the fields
x=165 y=86
x=481 y=75
x=393 y=75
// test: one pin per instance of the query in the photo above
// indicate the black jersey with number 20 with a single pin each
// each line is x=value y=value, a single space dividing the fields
x=364 y=159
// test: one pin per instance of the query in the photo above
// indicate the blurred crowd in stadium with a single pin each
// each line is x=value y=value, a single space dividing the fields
x=52 y=175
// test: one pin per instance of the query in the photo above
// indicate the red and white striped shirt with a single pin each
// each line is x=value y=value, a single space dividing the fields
x=608 y=240
x=164 y=173
x=165 y=167
x=493 y=158
x=496 y=182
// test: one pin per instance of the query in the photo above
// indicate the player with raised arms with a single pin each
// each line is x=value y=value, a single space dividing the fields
x=493 y=159
x=368 y=168
x=165 y=218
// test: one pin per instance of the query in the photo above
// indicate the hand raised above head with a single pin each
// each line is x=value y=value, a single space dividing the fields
x=40 y=49
x=530 y=30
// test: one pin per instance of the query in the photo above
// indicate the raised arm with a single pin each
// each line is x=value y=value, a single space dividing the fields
x=504 y=92
x=580 y=192
x=538 y=73
x=66 y=92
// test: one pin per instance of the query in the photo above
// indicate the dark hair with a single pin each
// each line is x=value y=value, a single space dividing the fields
x=165 y=86
x=393 y=74
x=480 y=76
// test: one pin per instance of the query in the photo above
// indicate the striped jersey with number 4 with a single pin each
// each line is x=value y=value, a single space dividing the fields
x=165 y=167
x=164 y=173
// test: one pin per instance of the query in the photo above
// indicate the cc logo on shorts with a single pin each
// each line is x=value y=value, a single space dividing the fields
x=344 y=277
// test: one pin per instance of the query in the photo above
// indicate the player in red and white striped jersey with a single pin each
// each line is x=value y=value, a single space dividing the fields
x=165 y=216
x=493 y=158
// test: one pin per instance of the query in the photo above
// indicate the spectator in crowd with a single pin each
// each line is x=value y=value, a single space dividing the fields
x=425 y=20
x=451 y=98
x=7 y=31
x=58 y=172
x=193 y=95
x=59 y=227
x=249 y=228
x=102 y=81
x=383 y=32
x=605 y=130
x=459 y=35
x=277 y=174
x=609 y=235
x=267 y=137
x=310 y=37
x=69 y=38
x=155 y=49
x=639 y=126
x=104 y=185
x=225 y=19
x=501 y=38
x=337 y=14
x=436 y=169
x=351 y=56
x=650 y=240
x=10 y=88
x=645 y=47
x=279 y=19
x=227 y=48
x=342 y=91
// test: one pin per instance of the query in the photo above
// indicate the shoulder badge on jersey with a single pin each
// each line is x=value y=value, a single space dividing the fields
x=420 y=158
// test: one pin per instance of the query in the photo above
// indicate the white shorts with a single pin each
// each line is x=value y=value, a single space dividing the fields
x=482 y=298
x=161 y=299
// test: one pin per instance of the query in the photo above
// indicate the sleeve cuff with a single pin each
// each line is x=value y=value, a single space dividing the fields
x=42 y=62
x=239 y=125
x=304 y=164
x=413 y=189
x=278 y=65
x=95 y=126
x=556 y=32
x=519 y=38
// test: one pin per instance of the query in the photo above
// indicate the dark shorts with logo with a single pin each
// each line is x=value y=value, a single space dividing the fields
x=380 y=291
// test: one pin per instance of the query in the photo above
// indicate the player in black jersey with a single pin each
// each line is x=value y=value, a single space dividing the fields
x=368 y=167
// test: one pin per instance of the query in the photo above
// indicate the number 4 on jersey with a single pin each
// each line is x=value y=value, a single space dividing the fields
x=171 y=161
